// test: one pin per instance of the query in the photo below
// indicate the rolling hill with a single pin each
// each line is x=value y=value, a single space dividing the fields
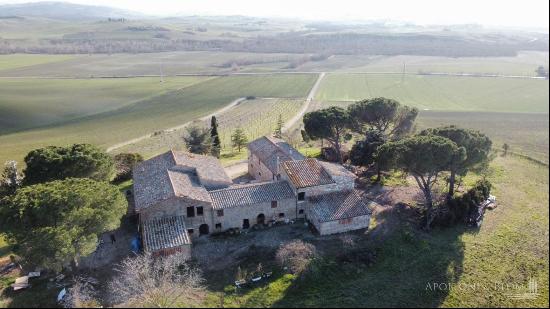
x=64 y=11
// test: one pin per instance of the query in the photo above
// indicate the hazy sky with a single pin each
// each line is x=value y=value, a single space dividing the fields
x=522 y=13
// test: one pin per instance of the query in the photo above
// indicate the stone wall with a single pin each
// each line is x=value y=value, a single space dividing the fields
x=234 y=217
x=257 y=169
x=339 y=226
x=178 y=207
x=344 y=183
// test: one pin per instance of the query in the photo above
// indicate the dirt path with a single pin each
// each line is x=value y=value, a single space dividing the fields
x=237 y=169
x=289 y=124
x=137 y=139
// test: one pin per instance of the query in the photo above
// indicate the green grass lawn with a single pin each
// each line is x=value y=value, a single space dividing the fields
x=5 y=248
x=486 y=267
x=27 y=103
x=156 y=113
x=440 y=93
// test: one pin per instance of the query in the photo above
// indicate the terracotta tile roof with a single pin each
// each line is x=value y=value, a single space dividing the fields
x=339 y=205
x=177 y=174
x=151 y=181
x=188 y=185
x=307 y=173
x=272 y=150
x=239 y=195
x=337 y=170
x=207 y=168
x=165 y=233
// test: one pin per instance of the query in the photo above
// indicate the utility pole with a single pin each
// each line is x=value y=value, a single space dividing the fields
x=161 y=75
x=403 y=74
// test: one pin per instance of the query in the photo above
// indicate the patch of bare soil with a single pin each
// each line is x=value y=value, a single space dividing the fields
x=222 y=257
x=216 y=253
x=394 y=207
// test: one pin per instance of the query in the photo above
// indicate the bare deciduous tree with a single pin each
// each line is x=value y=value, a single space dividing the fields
x=82 y=294
x=159 y=282
x=10 y=179
x=296 y=255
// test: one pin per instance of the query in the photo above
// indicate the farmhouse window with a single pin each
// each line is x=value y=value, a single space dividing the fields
x=200 y=211
x=190 y=211
x=301 y=196
x=220 y=212
x=273 y=204
x=301 y=211
x=345 y=221
x=218 y=226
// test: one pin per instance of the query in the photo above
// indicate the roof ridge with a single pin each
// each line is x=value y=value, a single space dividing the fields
x=248 y=185
x=171 y=182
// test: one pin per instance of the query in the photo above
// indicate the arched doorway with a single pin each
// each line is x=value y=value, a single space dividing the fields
x=203 y=229
x=261 y=219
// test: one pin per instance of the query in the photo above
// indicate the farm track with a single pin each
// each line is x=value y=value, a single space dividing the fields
x=289 y=124
x=237 y=169
x=143 y=137
x=277 y=73
x=241 y=167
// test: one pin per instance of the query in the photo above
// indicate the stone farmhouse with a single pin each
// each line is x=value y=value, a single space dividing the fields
x=179 y=196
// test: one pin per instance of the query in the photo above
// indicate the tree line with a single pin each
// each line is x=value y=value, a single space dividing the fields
x=295 y=42
x=54 y=212
x=65 y=198
x=383 y=130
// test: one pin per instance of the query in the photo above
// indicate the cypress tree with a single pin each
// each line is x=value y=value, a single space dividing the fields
x=216 y=144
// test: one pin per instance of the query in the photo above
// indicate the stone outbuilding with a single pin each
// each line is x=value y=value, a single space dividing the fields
x=338 y=212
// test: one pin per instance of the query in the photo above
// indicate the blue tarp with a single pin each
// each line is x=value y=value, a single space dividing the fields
x=136 y=244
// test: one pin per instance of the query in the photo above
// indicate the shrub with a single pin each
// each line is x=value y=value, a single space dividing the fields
x=162 y=282
x=124 y=164
x=296 y=256
x=461 y=209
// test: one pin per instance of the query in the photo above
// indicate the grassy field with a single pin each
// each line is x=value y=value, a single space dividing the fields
x=524 y=64
x=160 y=112
x=28 y=103
x=256 y=117
x=9 y=62
x=486 y=267
x=526 y=133
x=5 y=249
x=146 y=64
x=209 y=62
x=441 y=93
